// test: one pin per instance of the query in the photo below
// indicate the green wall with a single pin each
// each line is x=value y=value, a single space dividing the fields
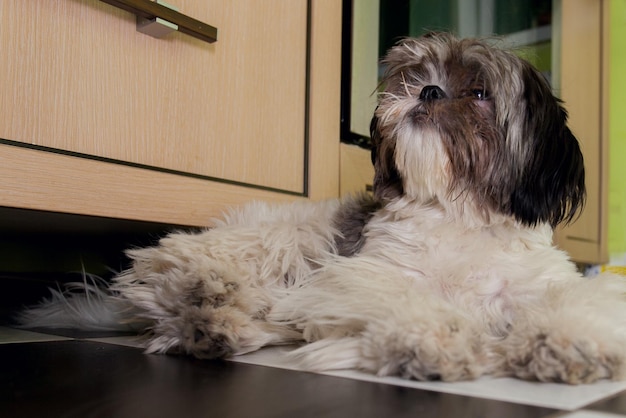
x=617 y=129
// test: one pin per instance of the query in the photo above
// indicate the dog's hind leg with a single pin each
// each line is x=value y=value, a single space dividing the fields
x=360 y=313
x=428 y=345
x=575 y=334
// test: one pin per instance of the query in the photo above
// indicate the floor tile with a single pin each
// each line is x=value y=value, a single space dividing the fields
x=589 y=414
x=614 y=404
x=14 y=335
x=125 y=340
x=79 y=378
x=82 y=334
x=551 y=395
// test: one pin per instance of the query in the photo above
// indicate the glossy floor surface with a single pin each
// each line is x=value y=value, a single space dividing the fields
x=65 y=374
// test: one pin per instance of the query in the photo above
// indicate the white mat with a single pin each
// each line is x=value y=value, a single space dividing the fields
x=550 y=395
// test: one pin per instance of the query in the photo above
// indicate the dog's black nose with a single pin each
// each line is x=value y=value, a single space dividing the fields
x=432 y=93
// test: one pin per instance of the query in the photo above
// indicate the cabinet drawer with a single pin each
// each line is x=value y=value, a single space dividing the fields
x=80 y=78
x=99 y=119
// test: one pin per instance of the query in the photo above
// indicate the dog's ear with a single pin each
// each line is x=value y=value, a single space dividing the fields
x=552 y=186
x=387 y=181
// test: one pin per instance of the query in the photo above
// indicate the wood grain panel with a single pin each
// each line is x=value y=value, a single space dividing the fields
x=43 y=181
x=357 y=171
x=583 y=88
x=325 y=85
x=81 y=78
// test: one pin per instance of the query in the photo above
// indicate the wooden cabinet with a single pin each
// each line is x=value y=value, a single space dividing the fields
x=584 y=89
x=357 y=172
x=100 y=119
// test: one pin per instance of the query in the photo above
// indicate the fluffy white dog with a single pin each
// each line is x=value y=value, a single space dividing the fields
x=448 y=272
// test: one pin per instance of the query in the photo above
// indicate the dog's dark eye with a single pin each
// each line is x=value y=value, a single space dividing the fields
x=480 y=94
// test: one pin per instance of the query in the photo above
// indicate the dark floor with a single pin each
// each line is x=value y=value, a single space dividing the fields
x=63 y=373
x=82 y=377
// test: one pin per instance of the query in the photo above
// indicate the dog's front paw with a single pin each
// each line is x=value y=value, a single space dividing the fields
x=554 y=357
x=215 y=332
x=197 y=306
x=430 y=350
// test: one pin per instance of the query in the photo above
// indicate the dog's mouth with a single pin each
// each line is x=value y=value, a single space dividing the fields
x=476 y=106
x=419 y=114
x=438 y=113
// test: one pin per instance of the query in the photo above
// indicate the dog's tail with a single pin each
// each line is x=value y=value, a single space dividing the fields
x=88 y=306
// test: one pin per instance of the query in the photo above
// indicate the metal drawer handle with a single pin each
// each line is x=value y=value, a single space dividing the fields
x=152 y=10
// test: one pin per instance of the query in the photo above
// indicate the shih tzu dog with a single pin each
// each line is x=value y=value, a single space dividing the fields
x=448 y=272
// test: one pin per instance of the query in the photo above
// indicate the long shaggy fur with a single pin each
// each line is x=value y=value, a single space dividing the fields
x=448 y=273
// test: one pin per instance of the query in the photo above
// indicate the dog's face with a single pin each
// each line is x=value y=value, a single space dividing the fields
x=474 y=129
